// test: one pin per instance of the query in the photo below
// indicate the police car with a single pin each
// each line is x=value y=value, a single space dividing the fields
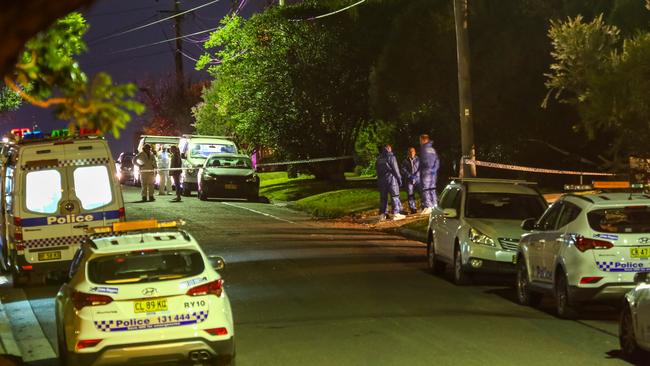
x=634 y=323
x=585 y=248
x=144 y=291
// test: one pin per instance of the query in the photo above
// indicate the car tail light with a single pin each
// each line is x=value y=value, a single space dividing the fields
x=589 y=280
x=18 y=235
x=27 y=267
x=20 y=246
x=211 y=288
x=87 y=343
x=217 y=331
x=80 y=300
x=584 y=244
x=18 y=221
x=121 y=213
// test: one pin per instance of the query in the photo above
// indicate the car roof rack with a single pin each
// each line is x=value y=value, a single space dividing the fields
x=492 y=180
x=208 y=136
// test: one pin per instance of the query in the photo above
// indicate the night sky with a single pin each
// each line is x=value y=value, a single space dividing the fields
x=107 y=17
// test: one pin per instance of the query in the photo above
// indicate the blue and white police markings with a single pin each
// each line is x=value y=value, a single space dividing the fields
x=161 y=321
x=192 y=282
x=622 y=266
x=105 y=290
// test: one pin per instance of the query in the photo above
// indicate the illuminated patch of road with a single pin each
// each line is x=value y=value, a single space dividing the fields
x=258 y=212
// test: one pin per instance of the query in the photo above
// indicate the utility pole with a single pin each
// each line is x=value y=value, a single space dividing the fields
x=461 y=14
x=178 y=57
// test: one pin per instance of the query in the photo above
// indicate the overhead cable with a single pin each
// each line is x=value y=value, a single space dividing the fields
x=163 y=41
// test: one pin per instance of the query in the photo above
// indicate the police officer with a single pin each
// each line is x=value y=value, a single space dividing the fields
x=411 y=177
x=429 y=164
x=146 y=161
x=175 y=172
x=389 y=181
x=163 y=164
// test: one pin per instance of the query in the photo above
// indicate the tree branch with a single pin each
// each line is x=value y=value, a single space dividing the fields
x=31 y=100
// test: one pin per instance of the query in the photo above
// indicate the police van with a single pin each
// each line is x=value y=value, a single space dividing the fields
x=195 y=149
x=154 y=141
x=52 y=191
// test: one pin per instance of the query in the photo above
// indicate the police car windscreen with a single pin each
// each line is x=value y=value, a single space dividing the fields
x=229 y=162
x=631 y=220
x=145 y=266
x=506 y=206
x=205 y=150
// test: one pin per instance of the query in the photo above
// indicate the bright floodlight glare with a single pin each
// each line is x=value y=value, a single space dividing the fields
x=92 y=186
x=43 y=191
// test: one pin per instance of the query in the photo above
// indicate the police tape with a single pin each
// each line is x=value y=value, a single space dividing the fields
x=294 y=162
x=488 y=164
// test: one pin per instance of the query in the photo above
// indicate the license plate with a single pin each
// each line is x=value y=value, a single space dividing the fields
x=49 y=256
x=640 y=252
x=230 y=186
x=150 y=306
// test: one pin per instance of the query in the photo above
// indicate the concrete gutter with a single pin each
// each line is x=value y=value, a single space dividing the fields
x=412 y=234
x=8 y=345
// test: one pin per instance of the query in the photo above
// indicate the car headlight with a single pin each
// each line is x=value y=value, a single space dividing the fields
x=208 y=176
x=252 y=179
x=479 y=238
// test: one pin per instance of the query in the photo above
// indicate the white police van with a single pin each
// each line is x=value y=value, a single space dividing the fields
x=195 y=149
x=155 y=141
x=52 y=190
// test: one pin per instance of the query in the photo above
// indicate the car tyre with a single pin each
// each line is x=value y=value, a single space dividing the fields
x=629 y=347
x=563 y=306
x=436 y=266
x=525 y=296
x=186 y=191
x=461 y=275
x=254 y=198
x=202 y=196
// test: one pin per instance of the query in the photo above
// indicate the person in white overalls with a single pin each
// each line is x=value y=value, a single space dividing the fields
x=165 y=185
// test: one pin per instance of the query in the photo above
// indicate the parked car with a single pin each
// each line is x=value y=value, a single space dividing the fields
x=476 y=226
x=124 y=167
x=195 y=149
x=228 y=176
x=585 y=248
x=634 y=322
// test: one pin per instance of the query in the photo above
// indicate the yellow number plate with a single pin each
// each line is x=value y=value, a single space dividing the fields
x=49 y=256
x=230 y=186
x=640 y=252
x=150 y=306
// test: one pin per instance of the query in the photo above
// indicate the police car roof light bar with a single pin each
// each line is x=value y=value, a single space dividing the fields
x=135 y=226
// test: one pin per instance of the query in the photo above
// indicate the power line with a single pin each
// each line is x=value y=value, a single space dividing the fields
x=90 y=15
x=163 y=41
x=129 y=59
x=333 y=12
x=156 y=22
x=93 y=41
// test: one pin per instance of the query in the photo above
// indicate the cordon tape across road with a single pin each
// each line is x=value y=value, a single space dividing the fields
x=488 y=164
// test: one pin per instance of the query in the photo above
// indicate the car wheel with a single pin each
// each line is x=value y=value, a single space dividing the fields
x=461 y=275
x=627 y=339
x=202 y=196
x=524 y=294
x=563 y=305
x=436 y=266
x=254 y=198
x=186 y=191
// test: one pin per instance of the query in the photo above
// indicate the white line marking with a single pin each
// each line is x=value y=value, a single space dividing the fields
x=259 y=212
x=32 y=341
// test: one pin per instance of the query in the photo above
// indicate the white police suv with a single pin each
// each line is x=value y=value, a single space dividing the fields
x=144 y=291
x=634 y=323
x=584 y=248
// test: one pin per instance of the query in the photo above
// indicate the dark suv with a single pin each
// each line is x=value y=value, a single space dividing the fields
x=124 y=165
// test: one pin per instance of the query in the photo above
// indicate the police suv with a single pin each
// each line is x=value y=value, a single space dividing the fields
x=584 y=248
x=52 y=190
x=144 y=292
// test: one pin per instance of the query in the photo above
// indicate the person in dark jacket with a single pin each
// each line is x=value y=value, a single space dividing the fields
x=429 y=164
x=389 y=180
x=411 y=177
x=175 y=172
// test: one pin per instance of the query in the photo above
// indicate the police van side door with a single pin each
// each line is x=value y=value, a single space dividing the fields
x=95 y=195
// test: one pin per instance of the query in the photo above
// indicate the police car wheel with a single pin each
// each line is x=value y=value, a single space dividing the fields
x=627 y=339
x=461 y=276
x=563 y=304
x=525 y=296
x=436 y=266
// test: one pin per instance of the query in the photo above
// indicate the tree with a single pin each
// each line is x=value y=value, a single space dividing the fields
x=48 y=75
x=299 y=87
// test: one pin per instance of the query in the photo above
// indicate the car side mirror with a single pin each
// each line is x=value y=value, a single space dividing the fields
x=641 y=277
x=450 y=213
x=529 y=224
x=217 y=262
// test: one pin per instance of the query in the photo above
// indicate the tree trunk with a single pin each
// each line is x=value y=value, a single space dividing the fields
x=20 y=20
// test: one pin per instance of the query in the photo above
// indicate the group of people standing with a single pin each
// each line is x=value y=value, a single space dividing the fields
x=166 y=163
x=418 y=173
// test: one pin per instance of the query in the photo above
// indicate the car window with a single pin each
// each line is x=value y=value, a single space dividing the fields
x=205 y=150
x=92 y=186
x=505 y=206
x=448 y=198
x=569 y=213
x=43 y=191
x=630 y=219
x=76 y=261
x=230 y=162
x=548 y=221
x=145 y=266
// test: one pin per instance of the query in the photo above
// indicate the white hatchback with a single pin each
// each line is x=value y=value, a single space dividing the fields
x=144 y=292
x=634 y=324
x=585 y=248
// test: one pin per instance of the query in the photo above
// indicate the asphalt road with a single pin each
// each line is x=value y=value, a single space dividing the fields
x=320 y=293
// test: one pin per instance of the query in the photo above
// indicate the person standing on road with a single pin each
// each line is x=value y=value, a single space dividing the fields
x=429 y=164
x=411 y=177
x=146 y=161
x=163 y=172
x=389 y=180
x=175 y=165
